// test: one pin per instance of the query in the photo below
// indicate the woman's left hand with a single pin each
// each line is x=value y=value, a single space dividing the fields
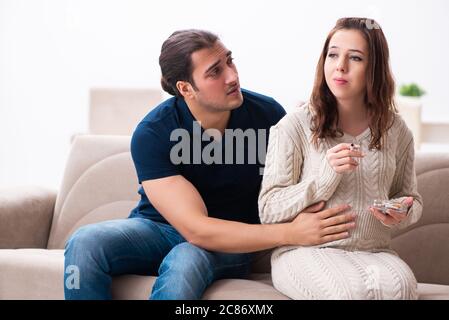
x=392 y=217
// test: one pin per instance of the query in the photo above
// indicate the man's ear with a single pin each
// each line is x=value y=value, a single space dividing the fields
x=185 y=89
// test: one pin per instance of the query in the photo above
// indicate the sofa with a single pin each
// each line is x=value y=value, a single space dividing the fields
x=100 y=183
x=117 y=111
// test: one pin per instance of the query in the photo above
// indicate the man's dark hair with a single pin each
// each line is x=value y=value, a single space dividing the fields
x=175 y=59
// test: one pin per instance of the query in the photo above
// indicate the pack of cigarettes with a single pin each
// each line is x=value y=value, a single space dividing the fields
x=384 y=205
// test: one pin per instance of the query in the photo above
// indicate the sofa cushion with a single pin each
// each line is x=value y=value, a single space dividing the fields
x=433 y=291
x=38 y=274
x=424 y=245
x=100 y=183
x=117 y=111
x=25 y=216
x=258 y=287
x=31 y=274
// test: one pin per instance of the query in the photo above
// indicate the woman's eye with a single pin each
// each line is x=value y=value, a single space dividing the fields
x=332 y=55
x=355 y=58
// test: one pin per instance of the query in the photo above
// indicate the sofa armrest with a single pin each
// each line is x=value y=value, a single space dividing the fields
x=25 y=217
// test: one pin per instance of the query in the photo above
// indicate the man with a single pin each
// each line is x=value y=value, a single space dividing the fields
x=197 y=220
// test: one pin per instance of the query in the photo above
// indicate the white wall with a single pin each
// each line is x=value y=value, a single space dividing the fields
x=53 y=51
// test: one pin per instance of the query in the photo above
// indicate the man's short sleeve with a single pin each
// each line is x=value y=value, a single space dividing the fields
x=278 y=112
x=150 y=150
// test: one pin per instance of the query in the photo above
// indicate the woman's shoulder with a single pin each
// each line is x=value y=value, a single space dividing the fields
x=399 y=129
x=297 y=120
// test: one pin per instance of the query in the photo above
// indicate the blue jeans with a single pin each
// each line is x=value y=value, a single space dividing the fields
x=144 y=247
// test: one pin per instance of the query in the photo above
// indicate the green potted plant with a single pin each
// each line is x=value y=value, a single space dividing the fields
x=409 y=105
x=411 y=90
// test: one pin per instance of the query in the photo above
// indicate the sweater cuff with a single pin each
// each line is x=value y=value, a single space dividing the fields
x=406 y=222
x=328 y=179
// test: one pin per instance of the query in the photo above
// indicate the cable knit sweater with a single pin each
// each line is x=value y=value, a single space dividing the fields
x=298 y=175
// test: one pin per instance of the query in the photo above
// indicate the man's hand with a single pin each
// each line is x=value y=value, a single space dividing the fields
x=341 y=158
x=314 y=227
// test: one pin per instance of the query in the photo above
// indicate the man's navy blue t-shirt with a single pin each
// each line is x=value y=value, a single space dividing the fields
x=228 y=187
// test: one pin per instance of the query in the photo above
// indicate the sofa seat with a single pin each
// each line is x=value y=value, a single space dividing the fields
x=31 y=274
x=38 y=274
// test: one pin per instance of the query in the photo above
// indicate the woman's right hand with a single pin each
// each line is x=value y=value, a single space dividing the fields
x=341 y=158
x=313 y=226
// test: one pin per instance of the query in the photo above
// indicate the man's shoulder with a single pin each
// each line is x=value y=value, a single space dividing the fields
x=260 y=99
x=160 y=121
x=263 y=104
x=162 y=112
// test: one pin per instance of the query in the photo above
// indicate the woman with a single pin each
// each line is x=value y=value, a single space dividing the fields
x=313 y=156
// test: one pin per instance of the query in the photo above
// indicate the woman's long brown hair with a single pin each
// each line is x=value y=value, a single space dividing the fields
x=380 y=86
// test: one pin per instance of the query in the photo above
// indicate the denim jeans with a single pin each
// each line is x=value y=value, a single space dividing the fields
x=97 y=252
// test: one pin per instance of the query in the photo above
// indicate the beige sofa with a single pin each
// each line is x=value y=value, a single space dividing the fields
x=100 y=184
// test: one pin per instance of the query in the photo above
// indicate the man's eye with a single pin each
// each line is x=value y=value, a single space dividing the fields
x=230 y=60
x=215 y=72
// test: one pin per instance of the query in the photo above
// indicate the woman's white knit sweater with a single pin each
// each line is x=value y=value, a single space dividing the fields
x=298 y=175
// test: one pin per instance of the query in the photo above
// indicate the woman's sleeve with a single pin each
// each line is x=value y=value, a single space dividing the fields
x=283 y=195
x=405 y=182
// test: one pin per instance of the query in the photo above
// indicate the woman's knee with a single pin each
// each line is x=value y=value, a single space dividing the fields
x=408 y=288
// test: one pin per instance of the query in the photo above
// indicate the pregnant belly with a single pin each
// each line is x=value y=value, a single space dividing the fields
x=369 y=234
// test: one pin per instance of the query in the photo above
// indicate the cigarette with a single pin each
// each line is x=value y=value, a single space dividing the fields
x=354 y=147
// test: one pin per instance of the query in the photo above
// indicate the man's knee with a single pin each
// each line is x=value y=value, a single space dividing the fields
x=185 y=273
x=88 y=241
x=187 y=259
x=83 y=237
